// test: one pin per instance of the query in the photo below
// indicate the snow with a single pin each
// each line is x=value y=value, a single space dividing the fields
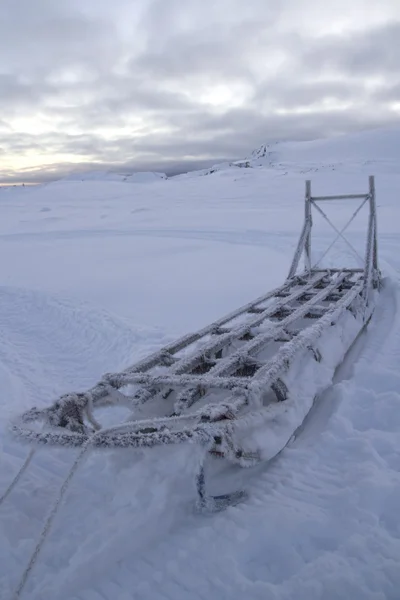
x=98 y=273
x=363 y=149
x=138 y=177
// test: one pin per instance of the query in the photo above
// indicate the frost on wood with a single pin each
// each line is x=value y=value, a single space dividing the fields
x=210 y=390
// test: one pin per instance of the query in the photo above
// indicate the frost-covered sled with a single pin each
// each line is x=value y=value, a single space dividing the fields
x=241 y=386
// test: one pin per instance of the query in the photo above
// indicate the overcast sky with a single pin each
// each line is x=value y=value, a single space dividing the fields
x=155 y=83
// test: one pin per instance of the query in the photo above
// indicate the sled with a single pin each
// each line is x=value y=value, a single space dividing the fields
x=242 y=385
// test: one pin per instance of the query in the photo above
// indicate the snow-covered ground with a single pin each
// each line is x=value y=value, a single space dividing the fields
x=97 y=273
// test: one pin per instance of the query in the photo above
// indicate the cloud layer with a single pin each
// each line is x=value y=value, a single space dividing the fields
x=166 y=83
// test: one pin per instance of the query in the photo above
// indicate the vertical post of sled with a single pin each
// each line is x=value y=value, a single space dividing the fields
x=375 y=242
x=201 y=489
x=371 y=272
x=308 y=220
x=206 y=503
x=304 y=243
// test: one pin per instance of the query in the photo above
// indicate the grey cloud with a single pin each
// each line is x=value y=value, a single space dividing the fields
x=286 y=92
x=389 y=93
x=370 y=52
x=45 y=36
x=207 y=41
x=136 y=69
x=15 y=93
x=247 y=130
x=211 y=53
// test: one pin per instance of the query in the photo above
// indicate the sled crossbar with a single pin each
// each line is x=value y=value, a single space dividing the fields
x=355 y=270
x=341 y=197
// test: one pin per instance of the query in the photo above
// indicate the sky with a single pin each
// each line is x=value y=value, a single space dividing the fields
x=175 y=84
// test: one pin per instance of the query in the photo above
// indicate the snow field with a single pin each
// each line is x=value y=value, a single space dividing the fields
x=97 y=274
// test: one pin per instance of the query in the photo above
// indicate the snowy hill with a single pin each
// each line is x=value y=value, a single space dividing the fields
x=139 y=177
x=367 y=148
x=361 y=151
x=100 y=273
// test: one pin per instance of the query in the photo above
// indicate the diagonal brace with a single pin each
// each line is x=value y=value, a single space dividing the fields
x=340 y=233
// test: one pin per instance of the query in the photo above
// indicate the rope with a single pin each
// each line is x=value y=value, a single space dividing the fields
x=18 y=475
x=50 y=520
x=53 y=512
